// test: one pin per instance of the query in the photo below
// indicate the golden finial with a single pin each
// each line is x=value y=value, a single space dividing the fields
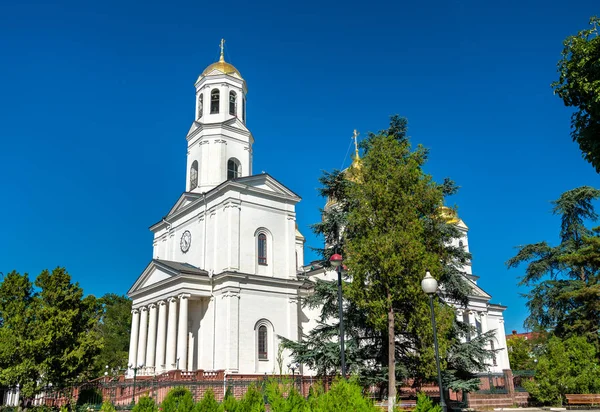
x=355 y=137
x=222 y=58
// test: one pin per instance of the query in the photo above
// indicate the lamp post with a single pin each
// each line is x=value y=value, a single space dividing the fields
x=430 y=286
x=336 y=262
x=135 y=369
x=293 y=367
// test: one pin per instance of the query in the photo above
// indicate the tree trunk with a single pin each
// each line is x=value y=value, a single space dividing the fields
x=391 y=357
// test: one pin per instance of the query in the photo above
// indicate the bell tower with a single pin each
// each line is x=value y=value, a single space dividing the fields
x=219 y=143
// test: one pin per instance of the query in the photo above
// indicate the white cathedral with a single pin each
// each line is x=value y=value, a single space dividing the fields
x=228 y=260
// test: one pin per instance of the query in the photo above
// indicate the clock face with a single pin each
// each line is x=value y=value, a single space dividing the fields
x=186 y=241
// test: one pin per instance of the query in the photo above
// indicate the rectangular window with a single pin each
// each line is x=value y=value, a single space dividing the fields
x=494 y=360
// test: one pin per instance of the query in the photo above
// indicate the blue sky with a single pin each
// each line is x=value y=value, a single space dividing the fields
x=97 y=98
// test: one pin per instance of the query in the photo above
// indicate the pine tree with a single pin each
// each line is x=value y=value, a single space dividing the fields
x=565 y=279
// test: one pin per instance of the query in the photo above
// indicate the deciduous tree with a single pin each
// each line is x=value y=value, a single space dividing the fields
x=579 y=87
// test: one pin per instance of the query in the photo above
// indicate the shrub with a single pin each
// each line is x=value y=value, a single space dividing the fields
x=230 y=404
x=425 y=404
x=343 y=396
x=178 y=400
x=107 y=406
x=208 y=403
x=145 y=404
x=252 y=401
x=294 y=402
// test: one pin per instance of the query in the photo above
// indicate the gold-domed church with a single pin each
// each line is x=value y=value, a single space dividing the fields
x=227 y=267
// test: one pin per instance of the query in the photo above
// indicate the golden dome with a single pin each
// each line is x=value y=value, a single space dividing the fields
x=221 y=65
x=448 y=214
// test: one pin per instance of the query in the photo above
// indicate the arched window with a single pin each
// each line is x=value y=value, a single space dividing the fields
x=194 y=175
x=200 y=105
x=214 y=101
x=244 y=109
x=232 y=103
x=262 y=249
x=262 y=343
x=233 y=169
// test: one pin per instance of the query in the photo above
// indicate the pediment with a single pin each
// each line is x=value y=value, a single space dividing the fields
x=267 y=183
x=184 y=201
x=161 y=271
x=236 y=123
x=476 y=291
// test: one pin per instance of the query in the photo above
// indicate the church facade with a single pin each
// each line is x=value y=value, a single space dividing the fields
x=227 y=270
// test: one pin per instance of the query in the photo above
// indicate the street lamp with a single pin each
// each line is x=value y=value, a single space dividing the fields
x=135 y=369
x=430 y=286
x=293 y=367
x=336 y=262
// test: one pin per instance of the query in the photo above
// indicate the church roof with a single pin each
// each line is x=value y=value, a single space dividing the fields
x=180 y=267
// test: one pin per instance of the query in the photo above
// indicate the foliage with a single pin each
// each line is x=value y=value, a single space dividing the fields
x=208 y=403
x=178 y=400
x=229 y=404
x=114 y=329
x=17 y=352
x=566 y=366
x=521 y=353
x=565 y=280
x=145 y=404
x=343 y=396
x=64 y=328
x=252 y=401
x=107 y=406
x=383 y=215
x=425 y=404
x=278 y=401
x=579 y=87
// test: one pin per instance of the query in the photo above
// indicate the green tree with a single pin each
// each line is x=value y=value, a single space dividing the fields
x=145 y=404
x=18 y=358
x=208 y=402
x=521 y=353
x=355 y=223
x=64 y=328
x=114 y=329
x=566 y=366
x=178 y=400
x=565 y=279
x=395 y=233
x=579 y=87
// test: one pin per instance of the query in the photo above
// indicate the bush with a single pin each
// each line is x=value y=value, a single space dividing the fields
x=425 y=404
x=343 y=396
x=294 y=402
x=107 y=406
x=566 y=366
x=208 y=403
x=145 y=404
x=230 y=404
x=252 y=401
x=178 y=400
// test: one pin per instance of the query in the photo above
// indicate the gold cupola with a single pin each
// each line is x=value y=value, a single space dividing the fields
x=222 y=67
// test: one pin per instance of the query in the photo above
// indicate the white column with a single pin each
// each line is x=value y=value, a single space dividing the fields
x=161 y=336
x=190 y=364
x=141 y=356
x=151 y=346
x=472 y=324
x=171 y=334
x=133 y=339
x=182 y=336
